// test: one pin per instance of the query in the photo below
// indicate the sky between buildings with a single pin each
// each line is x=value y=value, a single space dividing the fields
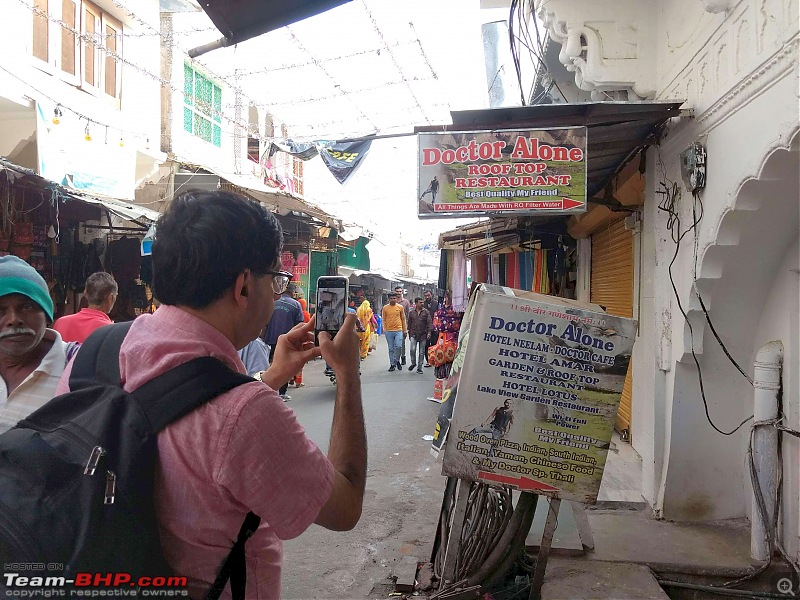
x=369 y=66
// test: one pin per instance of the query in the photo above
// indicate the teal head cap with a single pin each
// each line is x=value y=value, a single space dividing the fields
x=18 y=277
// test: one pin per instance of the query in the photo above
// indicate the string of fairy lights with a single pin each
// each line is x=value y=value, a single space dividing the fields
x=236 y=128
x=93 y=40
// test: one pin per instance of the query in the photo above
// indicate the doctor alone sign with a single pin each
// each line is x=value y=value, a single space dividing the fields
x=525 y=171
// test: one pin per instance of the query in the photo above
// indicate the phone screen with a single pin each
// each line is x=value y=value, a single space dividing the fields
x=331 y=303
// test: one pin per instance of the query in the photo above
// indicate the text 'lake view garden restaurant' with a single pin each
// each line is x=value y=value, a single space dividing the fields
x=558 y=224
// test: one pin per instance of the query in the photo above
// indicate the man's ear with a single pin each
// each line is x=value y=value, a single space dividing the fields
x=241 y=287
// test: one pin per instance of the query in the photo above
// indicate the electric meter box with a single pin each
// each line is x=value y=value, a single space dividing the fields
x=533 y=392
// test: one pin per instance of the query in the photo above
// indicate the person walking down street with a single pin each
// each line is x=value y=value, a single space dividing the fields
x=394 y=328
x=287 y=314
x=365 y=317
x=101 y=294
x=298 y=379
x=32 y=357
x=406 y=308
x=216 y=271
x=431 y=305
x=419 y=330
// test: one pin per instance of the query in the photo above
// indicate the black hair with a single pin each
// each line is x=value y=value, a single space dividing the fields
x=205 y=240
x=98 y=286
x=417 y=300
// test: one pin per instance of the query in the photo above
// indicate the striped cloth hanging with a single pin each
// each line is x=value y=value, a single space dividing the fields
x=480 y=268
x=545 y=284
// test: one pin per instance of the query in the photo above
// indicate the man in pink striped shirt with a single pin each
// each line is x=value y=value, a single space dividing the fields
x=216 y=263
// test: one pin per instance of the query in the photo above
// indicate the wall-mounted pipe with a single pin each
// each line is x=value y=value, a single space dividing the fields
x=767 y=385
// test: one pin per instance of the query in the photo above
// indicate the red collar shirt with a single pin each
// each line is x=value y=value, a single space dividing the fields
x=77 y=327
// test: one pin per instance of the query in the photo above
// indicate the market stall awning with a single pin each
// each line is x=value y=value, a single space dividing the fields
x=495 y=234
x=348 y=271
x=276 y=200
x=126 y=210
x=617 y=131
x=240 y=20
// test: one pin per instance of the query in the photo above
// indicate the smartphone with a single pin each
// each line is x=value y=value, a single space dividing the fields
x=331 y=304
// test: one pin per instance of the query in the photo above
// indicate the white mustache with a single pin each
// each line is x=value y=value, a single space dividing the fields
x=16 y=331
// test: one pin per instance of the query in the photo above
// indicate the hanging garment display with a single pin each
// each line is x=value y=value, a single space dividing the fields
x=443 y=278
x=480 y=269
x=459 y=280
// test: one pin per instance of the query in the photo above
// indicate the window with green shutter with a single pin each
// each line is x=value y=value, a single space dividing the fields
x=202 y=106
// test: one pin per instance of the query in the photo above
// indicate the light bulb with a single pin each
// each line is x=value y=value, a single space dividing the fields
x=56 y=115
x=121 y=142
x=87 y=136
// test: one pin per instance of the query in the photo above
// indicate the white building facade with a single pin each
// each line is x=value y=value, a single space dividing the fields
x=209 y=120
x=79 y=92
x=735 y=63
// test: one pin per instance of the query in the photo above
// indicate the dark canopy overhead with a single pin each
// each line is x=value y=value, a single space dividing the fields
x=616 y=130
x=240 y=20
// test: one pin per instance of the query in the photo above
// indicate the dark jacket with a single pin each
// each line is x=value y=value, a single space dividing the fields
x=431 y=306
x=419 y=324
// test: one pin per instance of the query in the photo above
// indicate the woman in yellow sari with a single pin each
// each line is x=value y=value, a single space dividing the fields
x=364 y=314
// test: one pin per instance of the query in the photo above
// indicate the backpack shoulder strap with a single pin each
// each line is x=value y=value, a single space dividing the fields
x=234 y=566
x=98 y=357
x=177 y=392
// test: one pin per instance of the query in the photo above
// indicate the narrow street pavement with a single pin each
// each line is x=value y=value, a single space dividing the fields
x=404 y=484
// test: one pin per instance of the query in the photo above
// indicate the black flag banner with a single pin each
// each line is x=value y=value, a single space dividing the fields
x=302 y=150
x=343 y=158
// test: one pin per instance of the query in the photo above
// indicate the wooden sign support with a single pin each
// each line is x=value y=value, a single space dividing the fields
x=449 y=588
x=453 y=549
x=544 y=549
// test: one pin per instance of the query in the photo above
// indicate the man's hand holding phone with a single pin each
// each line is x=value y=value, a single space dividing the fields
x=293 y=351
x=341 y=352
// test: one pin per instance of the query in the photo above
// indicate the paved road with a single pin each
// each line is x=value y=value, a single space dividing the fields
x=404 y=484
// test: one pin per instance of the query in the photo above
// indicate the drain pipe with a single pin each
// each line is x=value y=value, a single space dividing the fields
x=767 y=384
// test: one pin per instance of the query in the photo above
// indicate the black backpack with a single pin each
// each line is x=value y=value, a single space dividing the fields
x=77 y=475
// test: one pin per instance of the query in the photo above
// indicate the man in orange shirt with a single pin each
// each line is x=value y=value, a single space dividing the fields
x=394 y=328
x=101 y=293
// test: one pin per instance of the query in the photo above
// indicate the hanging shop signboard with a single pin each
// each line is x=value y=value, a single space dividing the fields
x=534 y=393
x=521 y=171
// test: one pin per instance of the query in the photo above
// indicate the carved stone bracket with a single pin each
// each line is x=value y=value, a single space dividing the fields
x=611 y=56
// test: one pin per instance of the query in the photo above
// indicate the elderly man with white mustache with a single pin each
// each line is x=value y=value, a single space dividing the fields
x=32 y=357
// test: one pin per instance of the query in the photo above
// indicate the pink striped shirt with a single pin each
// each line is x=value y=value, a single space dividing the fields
x=242 y=451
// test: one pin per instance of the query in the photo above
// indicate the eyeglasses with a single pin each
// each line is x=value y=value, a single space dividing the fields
x=280 y=280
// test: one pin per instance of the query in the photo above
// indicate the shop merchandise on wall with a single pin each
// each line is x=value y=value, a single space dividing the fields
x=124 y=261
x=52 y=232
x=540 y=270
x=296 y=263
x=453 y=276
x=447 y=323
